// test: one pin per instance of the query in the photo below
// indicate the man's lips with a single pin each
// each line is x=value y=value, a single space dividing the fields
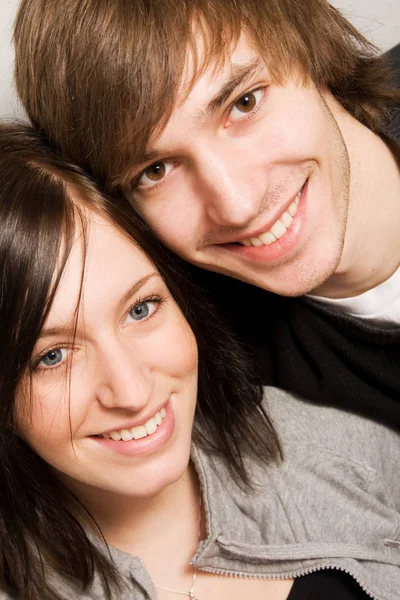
x=266 y=249
x=267 y=226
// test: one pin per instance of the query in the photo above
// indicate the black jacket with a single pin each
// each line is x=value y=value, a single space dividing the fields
x=307 y=348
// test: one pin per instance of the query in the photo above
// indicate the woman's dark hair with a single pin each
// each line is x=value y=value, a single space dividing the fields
x=41 y=197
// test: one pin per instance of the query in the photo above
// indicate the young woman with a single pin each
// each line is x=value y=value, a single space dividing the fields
x=137 y=459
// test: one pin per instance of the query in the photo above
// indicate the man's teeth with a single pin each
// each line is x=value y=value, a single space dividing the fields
x=278 y=229
x=138 y=432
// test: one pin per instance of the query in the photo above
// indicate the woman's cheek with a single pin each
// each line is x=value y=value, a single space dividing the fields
x=44 y=412
x=179 y=348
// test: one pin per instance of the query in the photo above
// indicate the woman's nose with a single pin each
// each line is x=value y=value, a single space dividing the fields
x=124 y=379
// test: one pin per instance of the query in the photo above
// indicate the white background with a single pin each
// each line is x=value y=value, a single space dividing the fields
x=377 y=19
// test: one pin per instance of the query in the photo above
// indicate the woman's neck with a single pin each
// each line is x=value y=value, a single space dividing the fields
x=162 y=530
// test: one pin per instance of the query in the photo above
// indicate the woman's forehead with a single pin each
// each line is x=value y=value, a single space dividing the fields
x=102 y=263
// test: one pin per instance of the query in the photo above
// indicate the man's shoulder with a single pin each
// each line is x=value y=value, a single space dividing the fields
x=299 y=419
x=306 y=428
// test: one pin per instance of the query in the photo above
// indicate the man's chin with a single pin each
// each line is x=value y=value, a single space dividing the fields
x=293 y=283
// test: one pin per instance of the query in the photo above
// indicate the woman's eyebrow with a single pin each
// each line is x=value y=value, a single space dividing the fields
x=58 y=330
x=137 y=286
x=69 y=329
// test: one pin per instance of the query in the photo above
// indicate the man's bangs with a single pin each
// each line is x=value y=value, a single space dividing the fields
x=209 y=45
x=175 y=59
x=166 y=78
x=286 y=37
x=123 y=67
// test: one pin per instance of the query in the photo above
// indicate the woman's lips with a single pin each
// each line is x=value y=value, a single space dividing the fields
x=144 y=445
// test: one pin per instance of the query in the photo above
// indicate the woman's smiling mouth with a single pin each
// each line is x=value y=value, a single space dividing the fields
x=141 y=439
x=139 y=431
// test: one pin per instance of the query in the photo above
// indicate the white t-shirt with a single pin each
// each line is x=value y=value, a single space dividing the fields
x=380 y=305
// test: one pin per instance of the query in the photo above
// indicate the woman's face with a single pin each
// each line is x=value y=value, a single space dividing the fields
x=112 y=402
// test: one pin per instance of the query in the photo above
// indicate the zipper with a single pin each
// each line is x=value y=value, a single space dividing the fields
x=292 y=575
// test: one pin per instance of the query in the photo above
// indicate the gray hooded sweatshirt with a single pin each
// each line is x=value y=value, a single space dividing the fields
x=333 y=503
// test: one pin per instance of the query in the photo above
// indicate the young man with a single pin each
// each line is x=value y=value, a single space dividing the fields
x=251 y=138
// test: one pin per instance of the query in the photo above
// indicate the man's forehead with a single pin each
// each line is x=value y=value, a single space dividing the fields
x=202 y=63
x=205 y=90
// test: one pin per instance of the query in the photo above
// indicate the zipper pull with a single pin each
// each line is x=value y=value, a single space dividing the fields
x=392 y=543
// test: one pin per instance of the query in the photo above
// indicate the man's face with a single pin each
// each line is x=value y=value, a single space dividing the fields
x=250 y=178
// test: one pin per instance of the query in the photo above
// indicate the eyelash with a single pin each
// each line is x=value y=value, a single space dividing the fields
x=151 y=298
x=136 y=179
x=251 y=114
x=36 y=362
x=160 y=300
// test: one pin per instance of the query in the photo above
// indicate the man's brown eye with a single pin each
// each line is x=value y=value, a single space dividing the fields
x=155 y=172
x=246 y=103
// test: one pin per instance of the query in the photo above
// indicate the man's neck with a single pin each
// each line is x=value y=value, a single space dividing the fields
x=371 y=252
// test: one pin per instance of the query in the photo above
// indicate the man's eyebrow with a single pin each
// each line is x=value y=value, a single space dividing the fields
x=152 y=156
x=238 y=76
x=68 y=329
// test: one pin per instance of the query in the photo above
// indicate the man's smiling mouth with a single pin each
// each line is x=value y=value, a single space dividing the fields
x=278 y=229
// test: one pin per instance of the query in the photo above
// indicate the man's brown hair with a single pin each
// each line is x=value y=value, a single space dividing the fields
x=99 y=76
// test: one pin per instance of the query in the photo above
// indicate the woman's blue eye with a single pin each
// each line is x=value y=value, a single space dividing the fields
x=143 y=310
x=53 y=358
x=140 y=311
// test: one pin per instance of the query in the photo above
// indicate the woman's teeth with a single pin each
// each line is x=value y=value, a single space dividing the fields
x=278 y=229
x=138 y=432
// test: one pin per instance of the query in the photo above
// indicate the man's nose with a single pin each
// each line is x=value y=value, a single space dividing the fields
x=124 y=379
x=230 y=194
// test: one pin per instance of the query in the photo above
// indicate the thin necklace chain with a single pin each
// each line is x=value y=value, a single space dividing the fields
x=190 y=593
